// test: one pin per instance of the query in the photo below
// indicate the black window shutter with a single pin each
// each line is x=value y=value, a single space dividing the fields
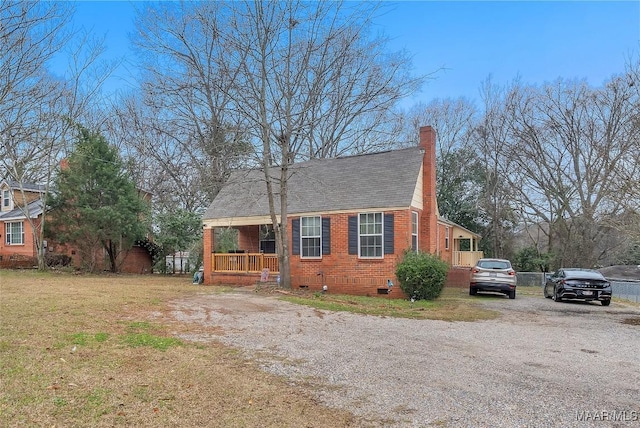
x=353 y=234
x=326 y=236
x=388 y=233
x=295 y=236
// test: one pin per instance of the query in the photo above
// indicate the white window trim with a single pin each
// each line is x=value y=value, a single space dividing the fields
x=302 y=256
x=446 y=237
x=414 y=216
x=9 y=235
x=6 y=196
x=381 y=234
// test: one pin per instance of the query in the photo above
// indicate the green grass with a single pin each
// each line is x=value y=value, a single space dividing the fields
x=160 y=343
x=139 y=334
x=453 y=305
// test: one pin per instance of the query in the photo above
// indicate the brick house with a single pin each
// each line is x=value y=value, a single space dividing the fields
x=17 y=246
x=349 y=220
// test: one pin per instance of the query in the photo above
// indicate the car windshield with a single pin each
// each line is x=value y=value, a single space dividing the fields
x=494 y=264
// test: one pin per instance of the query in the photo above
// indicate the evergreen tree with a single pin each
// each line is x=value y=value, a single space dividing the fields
x=94 y=204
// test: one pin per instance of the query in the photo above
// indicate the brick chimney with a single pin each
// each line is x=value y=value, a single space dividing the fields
x=429 y=224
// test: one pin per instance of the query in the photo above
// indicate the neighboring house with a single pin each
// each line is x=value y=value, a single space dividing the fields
x=349 y=220
x=17 y=246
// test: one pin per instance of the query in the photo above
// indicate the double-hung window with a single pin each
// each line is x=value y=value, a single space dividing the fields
x=14 y=233
x=414 y=231
x=6 y=199
x=370 y=234
x=311 y=236
x=446 y=238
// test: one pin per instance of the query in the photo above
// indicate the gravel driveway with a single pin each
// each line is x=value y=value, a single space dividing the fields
x=541 y=364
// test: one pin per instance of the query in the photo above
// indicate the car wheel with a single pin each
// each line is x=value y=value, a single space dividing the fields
x=544 y=292
x=606 y=302
x=556 y=297
x=512 y=294
x=472 y=291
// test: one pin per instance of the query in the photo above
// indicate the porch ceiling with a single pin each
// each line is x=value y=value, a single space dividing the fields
x=237 y=221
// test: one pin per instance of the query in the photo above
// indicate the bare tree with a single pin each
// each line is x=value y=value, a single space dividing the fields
x=491 y=142
x=30 y=34
x=37 y=108
x=572 y=149
x=178 y=132
x=310 y=85
x=301 y=80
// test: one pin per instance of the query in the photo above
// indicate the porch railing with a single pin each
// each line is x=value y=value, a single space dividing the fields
x=466 y=258
x=244 y=262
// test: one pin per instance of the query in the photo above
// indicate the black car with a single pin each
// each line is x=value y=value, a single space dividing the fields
x=578 y=284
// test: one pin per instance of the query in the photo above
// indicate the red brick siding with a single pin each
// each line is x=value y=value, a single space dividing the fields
x=346 y=273
x=234 y=279
x=249 y=239
x=137 y=260
x=208 y=245
x=28 y=249
x=430 y=221
x=458 y=277
x=445 y=254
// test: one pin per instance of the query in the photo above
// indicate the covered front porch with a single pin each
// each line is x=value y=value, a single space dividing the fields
x=242 y=251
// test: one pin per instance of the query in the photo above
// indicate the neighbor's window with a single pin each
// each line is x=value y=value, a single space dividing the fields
x=6 y=198
x=446 y=238
x=14 y=233
x=311 y=236
x=414 y=231
x=370 y=236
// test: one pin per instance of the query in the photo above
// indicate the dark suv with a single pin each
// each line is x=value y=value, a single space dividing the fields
x=579 y=284
x=493 y=275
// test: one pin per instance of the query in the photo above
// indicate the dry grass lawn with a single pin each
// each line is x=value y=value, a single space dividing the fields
x=81 y=350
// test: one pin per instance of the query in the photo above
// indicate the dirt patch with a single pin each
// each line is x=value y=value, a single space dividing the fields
x=631 y=321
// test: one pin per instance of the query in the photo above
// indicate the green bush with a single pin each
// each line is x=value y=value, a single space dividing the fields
x=421 y=275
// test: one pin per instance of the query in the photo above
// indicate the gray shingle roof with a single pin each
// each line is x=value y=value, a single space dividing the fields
x=377 y=180
x=26 y=186
x=35 y=209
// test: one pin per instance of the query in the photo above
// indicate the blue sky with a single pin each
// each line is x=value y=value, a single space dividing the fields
x=464 y=42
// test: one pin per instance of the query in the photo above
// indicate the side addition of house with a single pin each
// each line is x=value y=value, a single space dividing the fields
x=349 y=220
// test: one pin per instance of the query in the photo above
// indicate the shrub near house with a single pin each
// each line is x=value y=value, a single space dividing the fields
x=421 y=275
